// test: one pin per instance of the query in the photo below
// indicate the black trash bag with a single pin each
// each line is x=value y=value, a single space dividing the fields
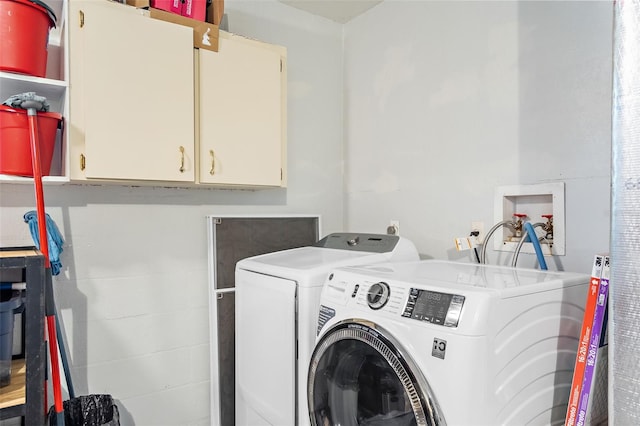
x=88 y=410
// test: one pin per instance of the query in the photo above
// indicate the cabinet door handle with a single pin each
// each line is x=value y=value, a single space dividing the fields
x=213 y=162
x=81 y=19
x=181 y=159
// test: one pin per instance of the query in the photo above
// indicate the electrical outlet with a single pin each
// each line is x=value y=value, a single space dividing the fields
x=477 y=226
x=394 y=228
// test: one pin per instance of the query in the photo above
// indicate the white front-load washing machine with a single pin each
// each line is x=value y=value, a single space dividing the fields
x=277 y=299
x=445 y=343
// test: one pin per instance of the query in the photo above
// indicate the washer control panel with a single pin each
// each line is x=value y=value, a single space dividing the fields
x=434 y=307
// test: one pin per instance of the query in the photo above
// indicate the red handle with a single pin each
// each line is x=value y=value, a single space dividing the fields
x=547 y=216
x=44 y=248
x=37 y=179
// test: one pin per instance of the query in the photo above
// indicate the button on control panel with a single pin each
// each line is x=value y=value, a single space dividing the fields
x=355 y=291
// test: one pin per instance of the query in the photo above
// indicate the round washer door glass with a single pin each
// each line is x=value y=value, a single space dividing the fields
x=357 y=377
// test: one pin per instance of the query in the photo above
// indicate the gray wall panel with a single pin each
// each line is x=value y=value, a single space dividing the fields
x=234 y=239
x=625 y=240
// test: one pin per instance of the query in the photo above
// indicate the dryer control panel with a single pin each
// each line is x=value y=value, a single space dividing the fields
x=434 y=307
x=371 y=243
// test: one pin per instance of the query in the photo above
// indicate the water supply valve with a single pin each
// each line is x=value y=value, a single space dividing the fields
x=518 y=224
x=548 y=227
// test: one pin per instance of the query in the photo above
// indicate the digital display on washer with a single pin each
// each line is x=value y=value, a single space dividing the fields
x=434 y=307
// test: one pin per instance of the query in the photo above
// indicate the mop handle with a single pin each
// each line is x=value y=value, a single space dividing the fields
x=44 y=248
x=37 y=172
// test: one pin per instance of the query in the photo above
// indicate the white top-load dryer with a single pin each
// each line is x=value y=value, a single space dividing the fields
x=445 y=343
x=277 y=299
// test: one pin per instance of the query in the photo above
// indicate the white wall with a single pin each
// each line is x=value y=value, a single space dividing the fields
x=445 y=101
x=133 y=293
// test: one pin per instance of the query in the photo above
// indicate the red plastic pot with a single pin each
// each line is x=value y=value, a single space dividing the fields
x=15 y=143
x=24 y=31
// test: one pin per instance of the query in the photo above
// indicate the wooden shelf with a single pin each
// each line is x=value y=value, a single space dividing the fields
x=14 y=393
x=24 y=396
x=20 y=252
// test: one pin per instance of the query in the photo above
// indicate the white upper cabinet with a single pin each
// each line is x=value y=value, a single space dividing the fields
x=142 y=106
x=132 y=95
x=242 y=113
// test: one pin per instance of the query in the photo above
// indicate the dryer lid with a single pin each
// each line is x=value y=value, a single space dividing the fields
x=307 y=259
x=310 y=265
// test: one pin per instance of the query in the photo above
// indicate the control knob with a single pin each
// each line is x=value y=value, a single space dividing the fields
x=378 y=295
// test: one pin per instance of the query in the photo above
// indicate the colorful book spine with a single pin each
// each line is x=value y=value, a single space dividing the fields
x=585 y=339
x=596 y=332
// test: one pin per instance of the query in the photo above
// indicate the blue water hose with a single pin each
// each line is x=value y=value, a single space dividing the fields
x=531 y=234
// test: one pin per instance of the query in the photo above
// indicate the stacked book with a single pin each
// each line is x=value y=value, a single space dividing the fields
x=591 y=349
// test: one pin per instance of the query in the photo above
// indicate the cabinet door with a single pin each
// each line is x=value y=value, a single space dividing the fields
x=136 y=94
x=242 y=113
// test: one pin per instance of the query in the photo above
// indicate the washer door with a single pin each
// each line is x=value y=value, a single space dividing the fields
x=359 y=376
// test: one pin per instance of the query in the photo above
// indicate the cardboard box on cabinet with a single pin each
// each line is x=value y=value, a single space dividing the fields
x=215 y=11
x=205 y=34
x=194 y=9
x=173 y=6
x=138 y=3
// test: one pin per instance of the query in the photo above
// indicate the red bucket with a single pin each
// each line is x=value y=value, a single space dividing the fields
x=15 y=142
x=24 y=31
